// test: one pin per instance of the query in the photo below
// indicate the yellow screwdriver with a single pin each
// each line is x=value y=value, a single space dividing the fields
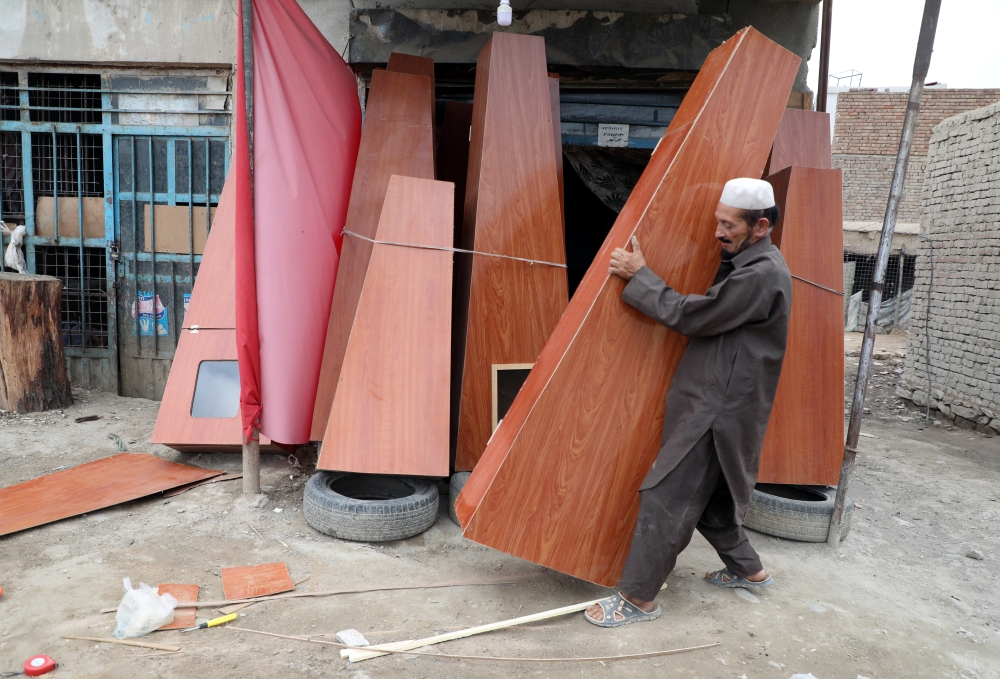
x=212 y=623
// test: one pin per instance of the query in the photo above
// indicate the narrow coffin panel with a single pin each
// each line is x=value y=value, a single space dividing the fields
x=557 y=139
x=804 y=443
x=397 y=138
x=89 y=487
x=512 y=208
x=802 y=140
x=414 y=65
x=558 y=483
x=390 y=411
x=178 y=424
x=213 y=299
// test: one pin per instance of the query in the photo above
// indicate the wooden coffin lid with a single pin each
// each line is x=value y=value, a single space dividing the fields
x=397 y=138
x=804 y=443
x=558 y=483
x=390 y=411
x=803 y=140
x=512 y=207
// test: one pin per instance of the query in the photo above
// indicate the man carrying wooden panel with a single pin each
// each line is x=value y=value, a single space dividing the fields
x=717 y=407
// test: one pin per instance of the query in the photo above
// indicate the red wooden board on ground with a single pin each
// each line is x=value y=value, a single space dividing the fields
x=184 y=618
x=247 y=582
x=804 y=443
x=508 y=308
x=397 y=139
x=89 y=487
x=558 y=483
x=390 y=411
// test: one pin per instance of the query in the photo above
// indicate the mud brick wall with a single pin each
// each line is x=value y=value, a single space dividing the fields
x=962 y=216
x=866 y=139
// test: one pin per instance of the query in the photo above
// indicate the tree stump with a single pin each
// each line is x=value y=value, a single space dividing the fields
x=32 y=365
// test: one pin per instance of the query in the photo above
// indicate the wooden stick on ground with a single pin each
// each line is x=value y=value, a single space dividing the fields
x=375 y=651
x=330 y=592
x=605 y=658
x=140 y=644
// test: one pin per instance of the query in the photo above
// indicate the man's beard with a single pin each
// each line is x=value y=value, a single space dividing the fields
x=727 y=256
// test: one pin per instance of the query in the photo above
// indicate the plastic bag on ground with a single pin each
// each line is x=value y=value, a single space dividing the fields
x=142 y=611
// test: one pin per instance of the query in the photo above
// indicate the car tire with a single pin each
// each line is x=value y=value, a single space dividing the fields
x=455 y=486
x=368 y=507
x=795 y=512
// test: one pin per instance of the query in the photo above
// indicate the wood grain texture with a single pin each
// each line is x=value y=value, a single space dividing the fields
x=558 y=484
x=213 y=298
x=452 y=161
x=804 y=443
x=803 y=140
x=414 y=65
x=397 y=138
x=185 y=594
x=557 y=138
x=390 y=412
x=512 y=207
x=33 y=374
x=89 y=487
x=246 y=582
x=175 y=427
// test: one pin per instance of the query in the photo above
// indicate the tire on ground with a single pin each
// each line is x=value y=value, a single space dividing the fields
x=455 y=486
x=795 y=512
x=369 y=508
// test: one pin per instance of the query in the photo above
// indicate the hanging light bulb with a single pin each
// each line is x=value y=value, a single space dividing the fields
x=504 y=13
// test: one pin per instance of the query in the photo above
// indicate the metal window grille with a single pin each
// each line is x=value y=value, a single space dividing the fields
x=8 y=96
x=11 y=178
x=859 y=271
x=90 y=152
x=64 y=97
x=84 y=316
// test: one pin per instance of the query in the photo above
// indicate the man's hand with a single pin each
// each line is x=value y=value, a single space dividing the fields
x=624 y=264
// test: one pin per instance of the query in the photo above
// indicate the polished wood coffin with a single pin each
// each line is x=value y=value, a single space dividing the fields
x=507 y=308
x=803 y=140
x=804 y=443
x=558 y=483
x=208 y=333
x=390 y=412
x=397 y=139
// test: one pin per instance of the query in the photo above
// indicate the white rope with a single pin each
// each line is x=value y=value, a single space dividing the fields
x=447 y=249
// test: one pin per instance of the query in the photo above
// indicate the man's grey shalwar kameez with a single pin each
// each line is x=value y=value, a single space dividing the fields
x=717 y=411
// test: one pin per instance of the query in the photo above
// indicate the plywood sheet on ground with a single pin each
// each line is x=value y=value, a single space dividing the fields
x=89 y=487
x=390 y=412
x=185 y=594
x=176 y=426
x=246 y=582
x=803 y=140
x=804 y=443
x=558 y=484
x=513 y=208
x=397 y=139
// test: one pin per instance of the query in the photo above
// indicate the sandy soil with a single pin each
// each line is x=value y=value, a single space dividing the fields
x=900 y=598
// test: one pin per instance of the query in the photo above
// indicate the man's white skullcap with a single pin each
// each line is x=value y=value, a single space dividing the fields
x=748 y=194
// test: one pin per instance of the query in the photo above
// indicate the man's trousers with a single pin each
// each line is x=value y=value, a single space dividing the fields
x=693 y=495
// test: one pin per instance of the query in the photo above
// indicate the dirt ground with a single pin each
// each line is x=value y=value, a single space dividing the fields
x=911 y=592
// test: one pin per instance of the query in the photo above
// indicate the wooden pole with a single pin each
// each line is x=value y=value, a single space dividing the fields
x=140 y=644
x=824 y=56
x=251 y=447
x=921 y=64
x=375 y=651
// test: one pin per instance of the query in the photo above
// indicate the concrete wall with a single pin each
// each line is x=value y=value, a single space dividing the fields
x=156 y=32
x=962 y=215
x=866 y=139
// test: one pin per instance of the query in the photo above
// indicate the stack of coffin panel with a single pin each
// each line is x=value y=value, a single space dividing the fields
x=200 y=410
x=382 y=402
x=558 y=482
x=804 y=443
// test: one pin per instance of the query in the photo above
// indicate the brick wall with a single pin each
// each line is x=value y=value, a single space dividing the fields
x=962 y=215
x=866 y=140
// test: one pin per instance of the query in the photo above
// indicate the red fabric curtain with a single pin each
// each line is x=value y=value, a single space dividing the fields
x=307 y=127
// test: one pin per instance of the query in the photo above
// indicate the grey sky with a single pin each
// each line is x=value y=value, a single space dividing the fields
x=879 y=38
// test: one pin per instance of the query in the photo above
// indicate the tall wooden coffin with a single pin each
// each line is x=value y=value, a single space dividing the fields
x=505 y=308
x=397 y=139
x=390 y=410
x=804 y=443
x=558 y=483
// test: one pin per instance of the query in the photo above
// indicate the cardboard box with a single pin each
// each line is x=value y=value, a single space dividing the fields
x=69 y=217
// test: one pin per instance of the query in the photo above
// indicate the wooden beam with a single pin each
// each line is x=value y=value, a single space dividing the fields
x=558 y=483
